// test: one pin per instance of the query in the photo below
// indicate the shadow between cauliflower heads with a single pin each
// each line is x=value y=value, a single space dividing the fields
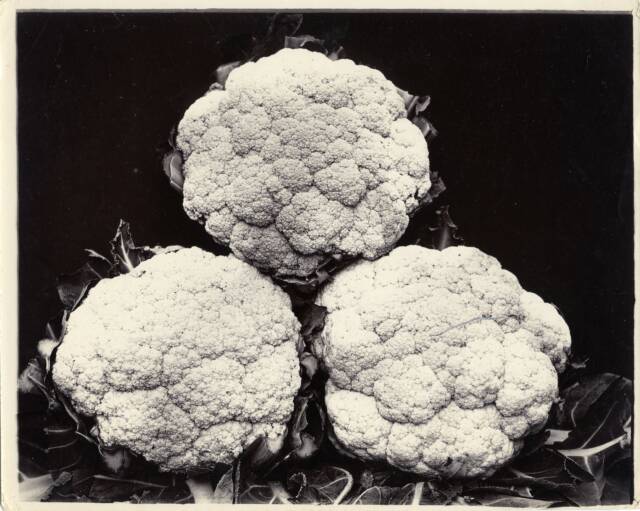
x=186 y=359
x=302 y=157
x=439 y=362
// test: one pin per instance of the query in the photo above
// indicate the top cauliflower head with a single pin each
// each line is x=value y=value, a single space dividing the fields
x=185 y=360
x=439 y=362
x=300 y=158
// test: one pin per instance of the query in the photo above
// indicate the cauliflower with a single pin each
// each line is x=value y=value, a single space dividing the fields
x=185 y=360
x=300 y=158
x=439 y=362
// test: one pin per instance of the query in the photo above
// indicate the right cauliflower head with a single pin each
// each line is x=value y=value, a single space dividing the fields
x=301 y=158
x=185 y=360
x=439 y=362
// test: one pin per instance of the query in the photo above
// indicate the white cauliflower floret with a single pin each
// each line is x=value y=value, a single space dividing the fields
x=300 y=158
x=439 y=362
x=185 y=360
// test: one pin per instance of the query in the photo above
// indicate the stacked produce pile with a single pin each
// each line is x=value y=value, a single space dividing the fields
x=421 y=373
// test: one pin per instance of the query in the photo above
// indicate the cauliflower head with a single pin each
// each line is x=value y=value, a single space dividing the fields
x=439 y=362
x=185 y=360
x=302 y=157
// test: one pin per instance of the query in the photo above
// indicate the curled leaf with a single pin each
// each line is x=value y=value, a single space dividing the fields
x=172 y=166
x=223 y=72
x=126 y=255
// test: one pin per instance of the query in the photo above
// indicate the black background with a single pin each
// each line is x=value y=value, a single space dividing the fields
x=534 y=113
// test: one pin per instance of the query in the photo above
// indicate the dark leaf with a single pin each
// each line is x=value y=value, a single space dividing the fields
x=546 y=468
x=267 y=493
x=283 y=25
x=437 y=187
x=409 y=494
x=618 y=484
x=443 y=234
x=262 y=453
x=499 y=500
x=307 y=427
x=534 y=442
x=178 y=494
x=297 y=487
x=307 y=42
x=172 y=166
x=309 y=364
x=585 y=494
x=313 y=318
x=374 y=496
x=387 y=495
x=112 y=489
x=32 y=379
x=222 y=73
x=116 y=460
x=440 y=492
x=125 y=253
x=201 y=489
x=72 y=288
x=224 y=494
x=330 y=484
x=581 y=396
x=603 y=435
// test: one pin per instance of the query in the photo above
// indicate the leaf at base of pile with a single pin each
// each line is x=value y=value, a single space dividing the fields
x=326 y=485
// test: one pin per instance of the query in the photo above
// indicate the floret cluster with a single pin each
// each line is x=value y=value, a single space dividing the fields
x=302 y=157
x=439 y=362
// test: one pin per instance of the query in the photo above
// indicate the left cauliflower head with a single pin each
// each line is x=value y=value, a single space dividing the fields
x=185 y=360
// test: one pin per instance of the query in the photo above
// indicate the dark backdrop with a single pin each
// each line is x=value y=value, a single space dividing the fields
x=534 y=113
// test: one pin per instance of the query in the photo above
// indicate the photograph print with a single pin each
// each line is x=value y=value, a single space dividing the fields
x=324 y=257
